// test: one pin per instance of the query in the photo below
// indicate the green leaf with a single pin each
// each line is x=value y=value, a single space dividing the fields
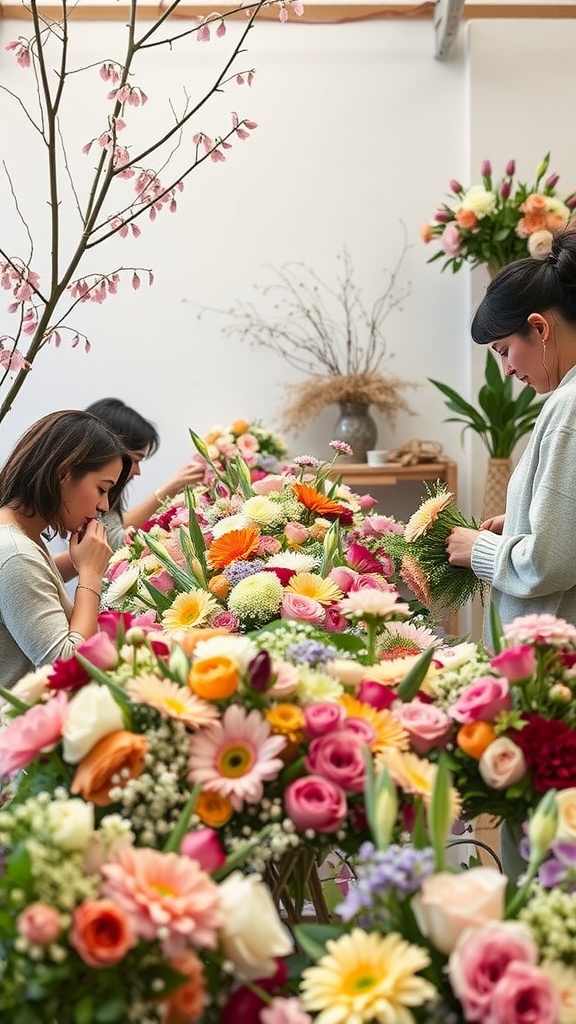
x=183 y=580
x=496 y=630
x=111 y=1010
x=412 y=681
x=312 y=938
x=84 y=1010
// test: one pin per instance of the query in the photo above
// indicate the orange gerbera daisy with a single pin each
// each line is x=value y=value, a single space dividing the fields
x=233 y=545
x=389 y=733
x=317 y=502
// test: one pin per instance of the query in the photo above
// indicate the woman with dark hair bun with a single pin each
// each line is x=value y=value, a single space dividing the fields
x=527 y=555
x=61 y=477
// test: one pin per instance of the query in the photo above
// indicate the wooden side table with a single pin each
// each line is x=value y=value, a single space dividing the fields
x=361 y=474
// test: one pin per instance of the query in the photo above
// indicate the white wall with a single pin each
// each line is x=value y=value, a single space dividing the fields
x=359 y=129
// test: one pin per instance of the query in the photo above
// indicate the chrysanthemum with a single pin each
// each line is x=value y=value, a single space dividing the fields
x=415 y=775
x=388 y=732
x=122 y=585
x=235 y=756
x=296 y=560
x=315 y=686
x=367 y=977
x=171 y=700
x=229 y=523
x=164 y=895
x=190 y=609
x=263 y=511
x=236 y=544
x=373 y=604
x=240 y=648
x=317 y=502
x=256 y=599
x=310 y=584
x=424 y=517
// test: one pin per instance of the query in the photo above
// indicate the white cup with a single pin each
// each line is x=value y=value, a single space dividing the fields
x=376 y=458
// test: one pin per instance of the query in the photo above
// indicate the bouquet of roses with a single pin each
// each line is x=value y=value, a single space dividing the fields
x=259 y=447
x=244 y=553
x=498 y=222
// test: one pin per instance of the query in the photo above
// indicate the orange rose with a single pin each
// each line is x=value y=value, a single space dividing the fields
x=101 y=933
x=187 y=1002
x=534 y=203
x=467 y=219
x=240 y=427
x=189 y=637
x=474 y=738
x=214 y=678
x=213 y=810
x=118 y=752
x=219 y=586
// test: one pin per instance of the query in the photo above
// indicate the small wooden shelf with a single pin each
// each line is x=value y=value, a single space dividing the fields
x=393 y=473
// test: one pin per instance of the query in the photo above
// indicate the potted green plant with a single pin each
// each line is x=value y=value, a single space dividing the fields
x=500 y=420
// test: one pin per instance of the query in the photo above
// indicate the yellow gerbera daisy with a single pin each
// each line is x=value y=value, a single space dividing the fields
x=389 y=733
x=310 y=584
x=415 y=775
x=190 y=609
x=286 y=720
x=425 y=516
x=171 y=700
x=366 y=976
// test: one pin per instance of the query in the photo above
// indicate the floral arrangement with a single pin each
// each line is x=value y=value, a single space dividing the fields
x=327 y=332
x=499 y=221
x=260 y=448
x=243 y=553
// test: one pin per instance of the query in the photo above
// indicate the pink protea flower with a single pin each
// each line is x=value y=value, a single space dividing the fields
x=165 y=895
x=236 y=756
x=37 y=730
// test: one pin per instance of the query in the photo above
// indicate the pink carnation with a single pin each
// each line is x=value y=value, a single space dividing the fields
x=39 y=729
x=539 y=629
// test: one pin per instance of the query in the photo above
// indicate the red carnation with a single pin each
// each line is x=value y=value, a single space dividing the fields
x=550 y=751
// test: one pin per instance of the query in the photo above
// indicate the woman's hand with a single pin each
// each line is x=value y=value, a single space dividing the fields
x=90 y=552
x=459 y=544
x=187 y=476
x=494 y=525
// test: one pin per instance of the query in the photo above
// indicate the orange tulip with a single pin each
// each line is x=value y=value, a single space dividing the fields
x=213 y=810
x=219 y=586
x=214 y=678
x=474 y=737
x=118 y=753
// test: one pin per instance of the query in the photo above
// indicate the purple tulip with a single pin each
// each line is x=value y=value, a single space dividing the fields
x=511 y=168
x=486 y=169
x=552 y=181
x=505 y=189
x=442 y=217
x=455 y=186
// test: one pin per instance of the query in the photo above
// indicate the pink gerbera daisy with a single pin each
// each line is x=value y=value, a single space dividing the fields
x=165 y=895
x=235 y=756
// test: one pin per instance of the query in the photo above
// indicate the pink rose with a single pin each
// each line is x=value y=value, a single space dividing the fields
x=524 y=994
x=482 y=700
x=204 y=846
x=162 y=581
x=116 y=570
x=39 y=924
x=502 y=764
x=295 y=533
x=481 y=957
x=515 y=663
x=371 y=581
x=226 y=620
x=111 y=621
x=451 y=240
x=100 y=651
x=361 y=728
x=285 y=679
x=299 y=608
x=32 y=733
x=338 y=756
x=334 y=622
x=270 y=484
x=322 y=718
x=448 y=903
x=314 y=802
x=427 y=726
x=343 y=577
x=376 y=694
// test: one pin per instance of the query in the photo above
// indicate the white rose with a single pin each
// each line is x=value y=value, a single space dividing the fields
x=566 y=804
x=72 y=823
x=92 y=714
x=540 y=244
x=479 y=201
x=253 y=934
x=502 y=764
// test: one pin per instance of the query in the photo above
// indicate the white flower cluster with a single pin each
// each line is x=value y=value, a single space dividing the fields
x=551 y=916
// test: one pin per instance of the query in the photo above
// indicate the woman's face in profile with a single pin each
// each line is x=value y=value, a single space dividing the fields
x=87 y=497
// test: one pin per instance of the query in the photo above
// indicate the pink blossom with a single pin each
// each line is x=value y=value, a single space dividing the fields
x=338 y=756
x=362 y=559
x=204 y=846
x=100 y=651
x=376 y=526
x=39 y=923
x=296 y=533
x=285 y=1011
x=376 y=694
x=367 y=502
x=162 y=581
x=315 y=802
x=165 y=896
x=451 y=240
x=502 y=763
x=480 y=959
x=343 y=576
x=428 y=727
x=482 y=700
x=322 y=718
x=37 y=730
x=226 y=620
x=515 y=663
x=334 y=622
x=524 y=993
x=539 y=629
x=299 y=608
x=361 y=728
x=372 y=581
x=285 y=679
x=268 y=485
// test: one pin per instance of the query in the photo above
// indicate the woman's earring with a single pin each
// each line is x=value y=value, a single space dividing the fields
x=545 y=366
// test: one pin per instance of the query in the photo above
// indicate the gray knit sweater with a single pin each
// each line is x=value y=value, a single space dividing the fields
x=34 y=608
x=532 y=566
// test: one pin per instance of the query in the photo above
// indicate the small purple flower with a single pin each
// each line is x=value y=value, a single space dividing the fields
x=341 y=447
x=310 y=652
x=240 y=569
x=398 y=871
x=560 y=868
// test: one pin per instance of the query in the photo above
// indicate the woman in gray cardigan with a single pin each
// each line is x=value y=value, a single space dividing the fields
x=528 y=316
